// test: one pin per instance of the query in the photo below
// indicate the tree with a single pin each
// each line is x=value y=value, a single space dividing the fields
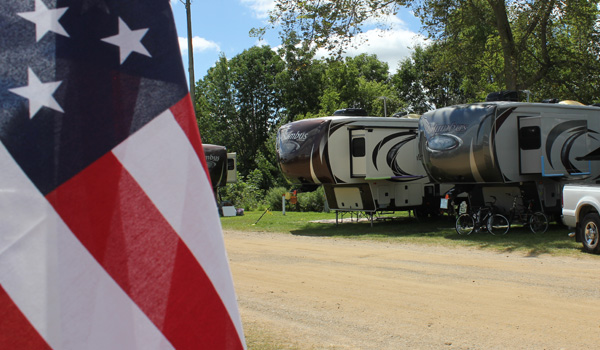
x=527 y=35
x=526 y=41
x=328 y=24
x=215 y=99
x=243 y=103
x=301 y=83
x=426 y=82
x=358 y=82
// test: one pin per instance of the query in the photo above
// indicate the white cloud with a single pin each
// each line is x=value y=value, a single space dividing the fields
x=390 y=46
x=261 y=42
x=390 y=20
x=199 y=44
x=260 y=8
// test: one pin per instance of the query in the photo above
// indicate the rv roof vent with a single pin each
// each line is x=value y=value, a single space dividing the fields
x=550 y=100
x=351 y=112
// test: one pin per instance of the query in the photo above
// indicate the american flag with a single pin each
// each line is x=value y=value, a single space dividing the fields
x=109 y=234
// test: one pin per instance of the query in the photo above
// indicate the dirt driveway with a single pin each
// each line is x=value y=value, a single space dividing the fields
x=326 y=293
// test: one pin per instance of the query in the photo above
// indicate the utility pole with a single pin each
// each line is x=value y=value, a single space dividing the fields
x=188 y=10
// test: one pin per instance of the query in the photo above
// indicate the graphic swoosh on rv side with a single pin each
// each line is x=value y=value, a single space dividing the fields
x=565 y=152
x=558 y=130
x=392 y=155
x=503 y=116
x=473 y=163
x=387 y=139
x=312 y=169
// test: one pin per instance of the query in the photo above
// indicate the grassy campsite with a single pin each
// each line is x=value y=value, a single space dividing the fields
x=401 y=228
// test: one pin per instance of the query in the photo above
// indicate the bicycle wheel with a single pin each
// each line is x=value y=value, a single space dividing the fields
x=538 y=222
x=498 y=224
x=464 y=224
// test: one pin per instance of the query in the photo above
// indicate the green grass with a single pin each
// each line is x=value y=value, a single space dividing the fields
x=402 y=228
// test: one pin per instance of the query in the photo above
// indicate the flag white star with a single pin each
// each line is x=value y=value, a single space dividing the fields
x=128 y=41
x=45 y=19
x=39 y=94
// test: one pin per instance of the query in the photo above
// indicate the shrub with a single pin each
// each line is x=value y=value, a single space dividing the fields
x=243 y=193
x=273 y=198
x=312 y=201
x=307 y=201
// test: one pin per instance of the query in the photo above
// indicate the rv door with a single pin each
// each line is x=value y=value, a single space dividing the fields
x=530 y=145
x=358 y=153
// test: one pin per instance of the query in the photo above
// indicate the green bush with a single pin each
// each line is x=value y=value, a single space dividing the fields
x=273 y=198
x=244 y=193
x=312 y=201
x=307 y=201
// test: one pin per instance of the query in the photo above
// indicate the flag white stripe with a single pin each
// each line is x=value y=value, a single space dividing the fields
x=63 y=292
x=163 y=162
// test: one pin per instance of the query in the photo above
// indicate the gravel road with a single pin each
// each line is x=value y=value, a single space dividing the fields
x=326 y=293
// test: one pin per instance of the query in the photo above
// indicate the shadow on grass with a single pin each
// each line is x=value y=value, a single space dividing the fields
x=396 y=227
x=441 y=230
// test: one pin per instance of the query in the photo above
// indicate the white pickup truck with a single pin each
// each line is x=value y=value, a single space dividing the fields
x=580 y=210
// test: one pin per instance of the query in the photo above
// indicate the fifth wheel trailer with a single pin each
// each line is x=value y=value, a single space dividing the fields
x=221 y=165
x=529 y=149
x=365 y=164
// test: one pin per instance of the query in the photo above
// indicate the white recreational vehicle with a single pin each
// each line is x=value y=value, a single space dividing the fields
x=514 y=148
x=365 y=164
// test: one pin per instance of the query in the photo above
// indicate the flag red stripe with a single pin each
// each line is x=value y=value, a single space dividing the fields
x=15 y=330
x=182 y=111
x=117 y=223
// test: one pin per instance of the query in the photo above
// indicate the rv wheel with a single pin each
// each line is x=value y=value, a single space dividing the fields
x=590 y=233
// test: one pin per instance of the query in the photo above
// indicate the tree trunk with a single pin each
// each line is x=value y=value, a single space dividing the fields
x=509 y=50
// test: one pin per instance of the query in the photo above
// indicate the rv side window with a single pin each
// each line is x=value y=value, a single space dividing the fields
x=230 y=164
x=530 y=137
x=358 y=147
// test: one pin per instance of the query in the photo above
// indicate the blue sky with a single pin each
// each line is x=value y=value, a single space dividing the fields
x=223 y=26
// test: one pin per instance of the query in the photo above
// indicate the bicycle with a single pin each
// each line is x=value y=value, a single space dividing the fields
x=526 y=216
x=485 y=218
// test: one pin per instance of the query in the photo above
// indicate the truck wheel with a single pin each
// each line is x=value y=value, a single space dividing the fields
x=590 y=233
